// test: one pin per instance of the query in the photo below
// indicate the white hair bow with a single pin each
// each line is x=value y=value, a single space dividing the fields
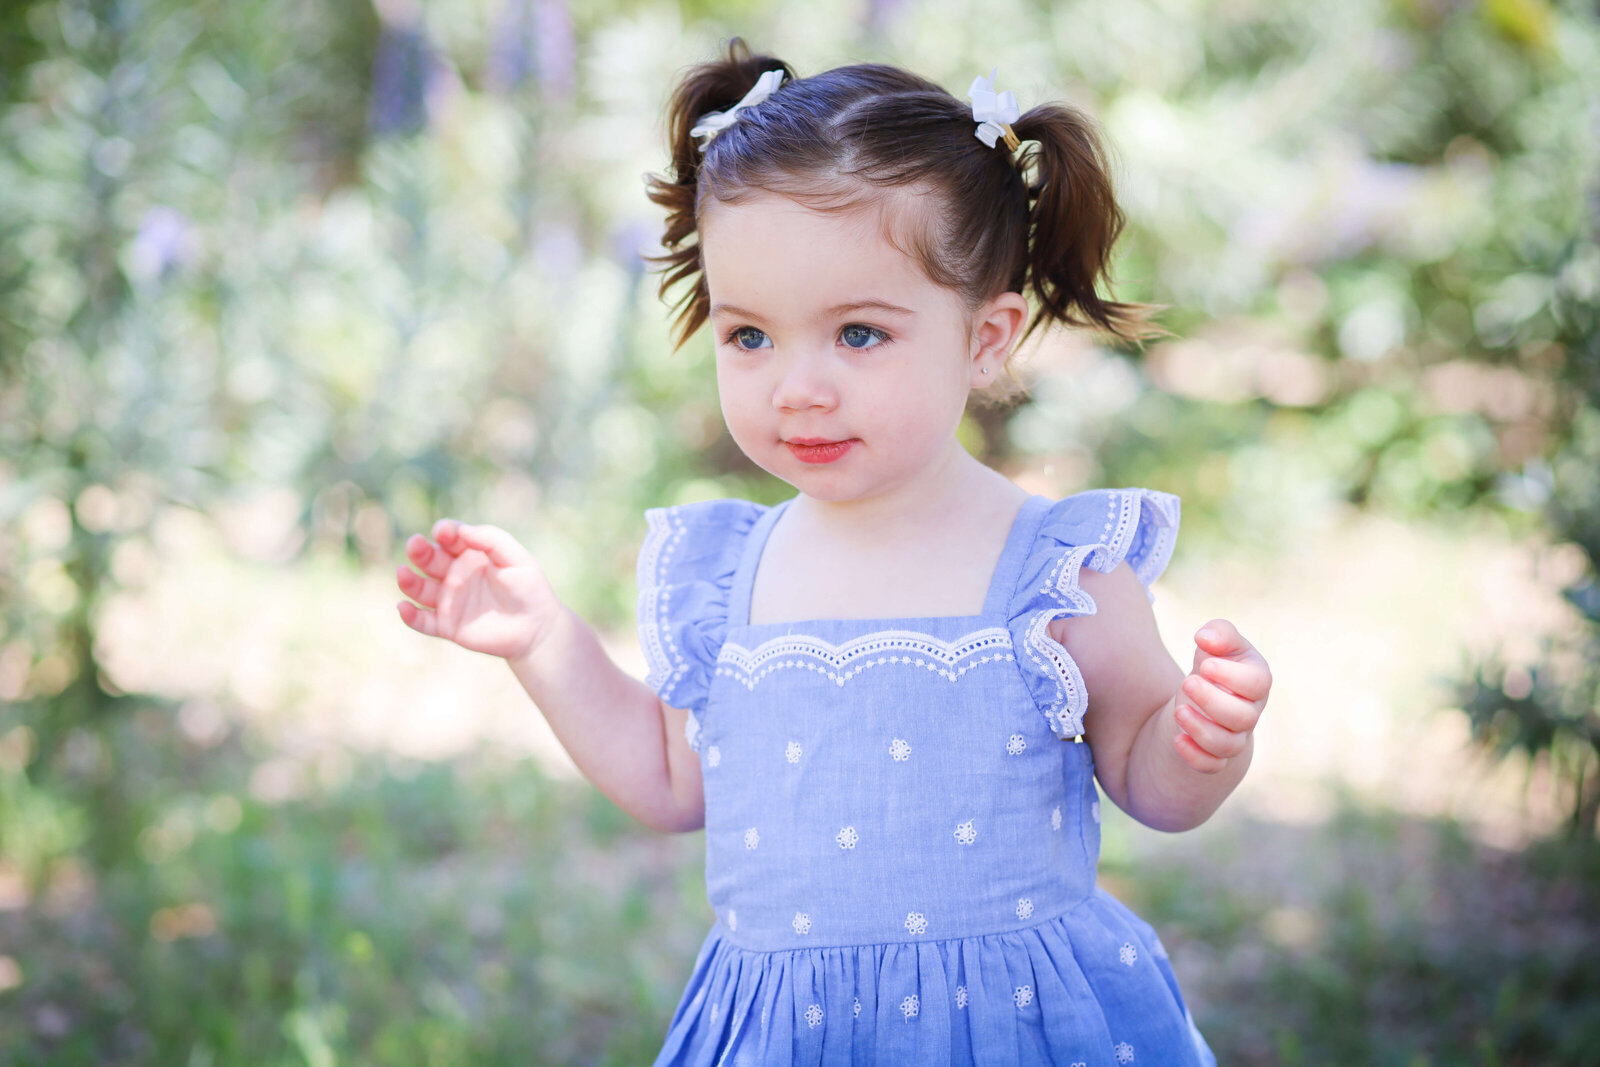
x=993 y=112
x=714 y=122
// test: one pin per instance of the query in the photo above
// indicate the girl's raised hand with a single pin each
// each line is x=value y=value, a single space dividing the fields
x=479 y=588
x=1221 y=699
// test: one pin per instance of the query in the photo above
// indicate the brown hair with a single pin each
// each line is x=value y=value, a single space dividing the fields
x=825 y=140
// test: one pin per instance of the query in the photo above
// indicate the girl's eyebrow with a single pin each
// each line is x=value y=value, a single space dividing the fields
x=837 y=309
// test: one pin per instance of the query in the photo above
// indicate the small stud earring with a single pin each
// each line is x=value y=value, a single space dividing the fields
x=984 y=370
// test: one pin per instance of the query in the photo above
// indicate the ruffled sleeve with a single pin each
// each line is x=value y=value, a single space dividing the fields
x=1096 y=529
x=686 y=572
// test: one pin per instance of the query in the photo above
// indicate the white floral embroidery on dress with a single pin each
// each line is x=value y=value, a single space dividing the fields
x=1016 y=744
x=814 y=1016
x=1055 y=819
x=751 y=838
x=961 y=996
x=1023 y=996
x=1124 y=1052
x=840 y=663
x=847 y=837
x=1024 y=908
x=899 y=750
x=965 y=833
x=691 y=731
x=856 y=1008
x=917 y=923
x=910 y=1005
x=713 y=756
x=1128 y=954
x=791 y=752
x=801 y=923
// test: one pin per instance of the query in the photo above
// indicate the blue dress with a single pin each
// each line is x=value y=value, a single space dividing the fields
x=901 y=829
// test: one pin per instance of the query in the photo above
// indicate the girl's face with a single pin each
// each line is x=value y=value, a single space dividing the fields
x=842 y=369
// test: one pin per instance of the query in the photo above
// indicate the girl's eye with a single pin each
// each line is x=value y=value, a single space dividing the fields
x=749 y=338
x=858 y=336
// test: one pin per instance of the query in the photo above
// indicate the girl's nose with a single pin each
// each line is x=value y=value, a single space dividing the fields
x=805 y=383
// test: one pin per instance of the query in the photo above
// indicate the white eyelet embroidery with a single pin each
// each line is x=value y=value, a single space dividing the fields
x=814 y=1016
x=751 y=838
x=667 y=666
x=801 y=923
x=909 y=1007
x=1128 y=954
x=1024 y=908
x=1124 y=1052
x=961 y=996
x=847 y=837
x=839 y=663
x=791 y=752
x=1015 y=744
x=713 y=756
x=1150 y=542
x=899 y=750
x=917 y=923
x=965 y=833
x=856 y=1008
x=1055 y=819
x=1023 y=996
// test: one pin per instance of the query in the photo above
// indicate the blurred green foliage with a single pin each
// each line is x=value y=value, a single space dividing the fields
x=387 y=259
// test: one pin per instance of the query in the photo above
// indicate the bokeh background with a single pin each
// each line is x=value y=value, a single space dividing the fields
x=282 y=281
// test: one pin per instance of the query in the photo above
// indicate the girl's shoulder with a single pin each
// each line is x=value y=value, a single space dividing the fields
x=1095 y=530
x=1100 y=528
x=687 y=568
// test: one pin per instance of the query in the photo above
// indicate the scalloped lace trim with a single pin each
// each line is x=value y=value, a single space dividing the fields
x=666 y=663
x=839 y=663
x=1117 y=540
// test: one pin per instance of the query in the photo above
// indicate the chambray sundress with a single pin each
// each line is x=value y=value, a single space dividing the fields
x=901 y=832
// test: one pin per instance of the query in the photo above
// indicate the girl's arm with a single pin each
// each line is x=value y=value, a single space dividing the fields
x=484 y=591
x=1168 y=748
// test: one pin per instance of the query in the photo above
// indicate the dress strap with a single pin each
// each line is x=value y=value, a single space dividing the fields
x=744 y=579
x=1008 y=572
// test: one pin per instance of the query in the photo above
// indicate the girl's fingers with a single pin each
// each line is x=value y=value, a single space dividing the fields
x=1219 y=637
x=1249 y=678
x=501 y=548
x=1207 y=734
x=1228 y=710
x=423 y=590
x=427 y=556
x=447 y=533
x=1197 y=757
x=424 y=622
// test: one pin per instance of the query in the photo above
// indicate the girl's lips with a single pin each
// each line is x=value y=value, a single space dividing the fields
x=813 y=451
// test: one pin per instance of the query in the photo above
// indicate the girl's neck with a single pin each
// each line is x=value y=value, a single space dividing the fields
x=955 y=486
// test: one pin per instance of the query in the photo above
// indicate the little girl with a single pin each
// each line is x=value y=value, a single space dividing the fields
x=886 y=699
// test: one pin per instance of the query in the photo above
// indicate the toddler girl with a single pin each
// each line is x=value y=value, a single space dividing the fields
x=886 y=699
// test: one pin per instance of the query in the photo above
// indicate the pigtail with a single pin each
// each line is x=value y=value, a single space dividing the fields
x=714 y=86
x=1074 y=222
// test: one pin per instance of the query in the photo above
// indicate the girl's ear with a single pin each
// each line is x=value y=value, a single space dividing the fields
x=996 y=326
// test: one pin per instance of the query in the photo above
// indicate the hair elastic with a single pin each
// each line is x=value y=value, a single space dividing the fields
x=714 y=122
x=994 y=112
